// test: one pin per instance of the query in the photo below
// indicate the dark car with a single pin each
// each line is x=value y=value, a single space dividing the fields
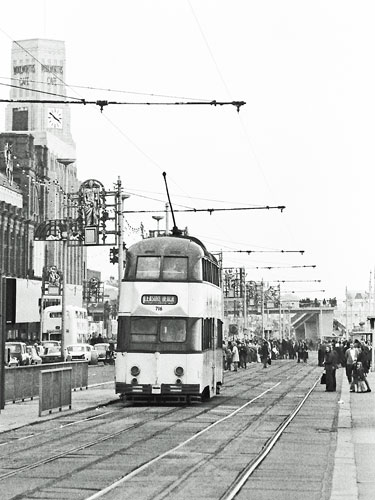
x=17 y=350
x=51 y=354
x=102 y=349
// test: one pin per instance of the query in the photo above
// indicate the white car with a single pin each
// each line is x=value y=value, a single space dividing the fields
x=81 y=352
x=35 y=359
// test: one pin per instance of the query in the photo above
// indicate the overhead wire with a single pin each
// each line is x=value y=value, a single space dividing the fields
x=120 y=91
x=240 y=118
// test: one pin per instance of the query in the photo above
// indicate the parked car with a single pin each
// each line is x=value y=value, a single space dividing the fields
x=50 y=343
x=35 y=359
x=82 y=352
x=102 y=351
x=17 y=350
x=51 y=354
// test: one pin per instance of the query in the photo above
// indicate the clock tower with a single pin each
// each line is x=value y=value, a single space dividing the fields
x=38 y=73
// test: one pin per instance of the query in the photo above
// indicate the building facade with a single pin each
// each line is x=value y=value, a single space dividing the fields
x=37 y=172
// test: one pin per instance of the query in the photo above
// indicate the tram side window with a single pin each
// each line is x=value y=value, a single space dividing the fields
x=219 y=333
x=144 y=330
x=210 y=272
x=175 y=269
x=172 y=330
x=207 y=334
x=148 y=268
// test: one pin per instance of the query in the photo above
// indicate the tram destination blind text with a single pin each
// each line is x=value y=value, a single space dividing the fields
x=159 y=300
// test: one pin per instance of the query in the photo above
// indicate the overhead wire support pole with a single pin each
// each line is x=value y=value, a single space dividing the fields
x=264 y=251
x=279 y=267
x=104 y=103
x=210 y=210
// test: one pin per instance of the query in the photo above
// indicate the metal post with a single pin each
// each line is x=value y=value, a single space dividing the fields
x=120 y=235
x=244 y=301
x=166 y=219
x=281 y=331
x=262 y=306
x=63 y=294
x=2 y=341
x=346 y=313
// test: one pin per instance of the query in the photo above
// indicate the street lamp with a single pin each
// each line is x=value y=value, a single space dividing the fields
x=158 y=218
x=121 y=199
x=64 y=238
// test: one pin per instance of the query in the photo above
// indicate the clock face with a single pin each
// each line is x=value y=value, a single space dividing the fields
x=55 y=118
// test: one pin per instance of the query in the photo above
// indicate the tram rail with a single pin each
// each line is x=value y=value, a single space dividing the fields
x=248 y=382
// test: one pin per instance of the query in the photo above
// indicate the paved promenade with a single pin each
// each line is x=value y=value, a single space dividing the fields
x=354 y=468
x=16 y=415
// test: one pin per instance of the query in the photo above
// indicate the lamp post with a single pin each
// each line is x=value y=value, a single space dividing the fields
x=64 y=238
x=121 y=199
x=158 y=218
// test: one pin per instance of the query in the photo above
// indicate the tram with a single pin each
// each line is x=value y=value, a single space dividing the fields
x=170 y=322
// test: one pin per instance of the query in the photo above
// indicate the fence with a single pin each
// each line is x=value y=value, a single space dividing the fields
x=55 y=389
x=23 y=382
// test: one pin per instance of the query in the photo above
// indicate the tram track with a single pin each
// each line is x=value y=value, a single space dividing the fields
x=245 y=473
x=279 y=370
x=116 y=413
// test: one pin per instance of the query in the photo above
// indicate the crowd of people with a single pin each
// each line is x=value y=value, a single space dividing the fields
x=238 y=353
x=354 y=357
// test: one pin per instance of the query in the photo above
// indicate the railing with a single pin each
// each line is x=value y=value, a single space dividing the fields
x=23 y=382
x=55 y=389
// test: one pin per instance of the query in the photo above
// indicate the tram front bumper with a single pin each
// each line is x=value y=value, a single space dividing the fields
x=162 y=389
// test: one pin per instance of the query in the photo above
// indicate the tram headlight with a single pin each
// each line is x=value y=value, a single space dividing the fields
x=135 y=371
x=179 y=371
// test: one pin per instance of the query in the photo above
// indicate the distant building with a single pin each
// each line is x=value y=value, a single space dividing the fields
x=354 y=309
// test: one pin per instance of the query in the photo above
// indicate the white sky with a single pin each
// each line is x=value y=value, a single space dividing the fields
x=305 y=138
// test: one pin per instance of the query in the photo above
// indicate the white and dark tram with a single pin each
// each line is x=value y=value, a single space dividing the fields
x=170 y=323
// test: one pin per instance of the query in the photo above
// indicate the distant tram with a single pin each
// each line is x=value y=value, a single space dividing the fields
x=170 y=324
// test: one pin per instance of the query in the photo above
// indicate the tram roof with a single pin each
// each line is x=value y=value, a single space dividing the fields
x=181 y=243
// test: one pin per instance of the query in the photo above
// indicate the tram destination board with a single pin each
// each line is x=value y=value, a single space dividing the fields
x=160 y=300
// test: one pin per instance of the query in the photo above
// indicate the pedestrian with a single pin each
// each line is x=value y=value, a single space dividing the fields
x=358 y=374
x=264 y=353
x=243 y=355
x=321 y=354
x=351 y=356
x=236 y=357
x=229 y=356
x=364 y=357
x=330 y=365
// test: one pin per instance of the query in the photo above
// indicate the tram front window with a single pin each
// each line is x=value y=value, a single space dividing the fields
x=144 y=330
x=148 y=268
x=172 y=330
x=175 y=268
